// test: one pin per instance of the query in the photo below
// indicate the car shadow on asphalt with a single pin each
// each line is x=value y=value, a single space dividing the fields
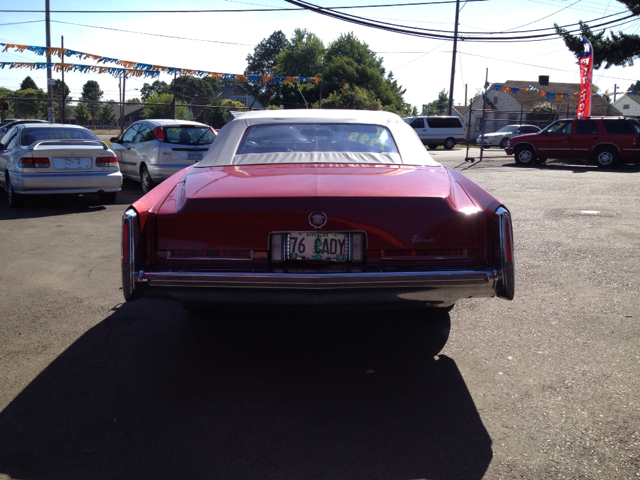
x=153 y=392
x=38 y=206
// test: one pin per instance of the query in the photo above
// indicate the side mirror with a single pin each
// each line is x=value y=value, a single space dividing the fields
x=114 y=139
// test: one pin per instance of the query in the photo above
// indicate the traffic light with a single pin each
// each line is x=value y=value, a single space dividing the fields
x=4 y=106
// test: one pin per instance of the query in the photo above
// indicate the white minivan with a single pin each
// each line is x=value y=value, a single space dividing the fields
x=435 y=131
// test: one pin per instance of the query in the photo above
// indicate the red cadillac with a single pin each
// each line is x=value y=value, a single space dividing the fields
x=317 y=207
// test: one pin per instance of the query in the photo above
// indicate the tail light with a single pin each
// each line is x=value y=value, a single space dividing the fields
x=159 y=134
x=34 y=162
x=130 y=250
x=503 y=254
x=106 y=161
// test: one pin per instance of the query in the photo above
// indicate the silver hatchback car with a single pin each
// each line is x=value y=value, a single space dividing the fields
x=44 y=158
x=150 y=151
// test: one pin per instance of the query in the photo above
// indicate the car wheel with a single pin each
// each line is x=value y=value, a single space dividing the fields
x=605 y=158
x=13 y=199
x=145 y=180
x=107 y=198
x=449 y=143
x=525 y=155
x=433 y=146
x=503 y=143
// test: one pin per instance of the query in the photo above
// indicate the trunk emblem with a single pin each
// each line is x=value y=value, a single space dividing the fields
x=419 y=239
x=317 y=219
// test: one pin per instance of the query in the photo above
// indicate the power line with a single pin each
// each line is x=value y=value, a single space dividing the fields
x=429 y=33
x=279 y=9
x=154 y=34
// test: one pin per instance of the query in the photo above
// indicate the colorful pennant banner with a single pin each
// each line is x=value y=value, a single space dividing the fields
x=550 y=95
x=133 y=69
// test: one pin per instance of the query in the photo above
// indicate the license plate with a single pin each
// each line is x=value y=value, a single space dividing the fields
x=194 y=156
x=80 y=163
x=328 y=247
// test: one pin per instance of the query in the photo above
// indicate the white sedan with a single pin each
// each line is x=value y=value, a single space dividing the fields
x=38 y=158
x=502 y=136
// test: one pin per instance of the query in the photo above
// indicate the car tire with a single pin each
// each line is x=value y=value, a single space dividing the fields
x=13 y=199
x=107 y=198
x=503 y=143
x=605 y=157
x=433 y=146
x=449 y=143
x=525 y=155
x=145 y=180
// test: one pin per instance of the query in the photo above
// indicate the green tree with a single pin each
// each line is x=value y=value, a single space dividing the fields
x=352 y=97
x=133 y=100
x=60 y=97
x=217 y=117
x=351 y=61
x=82 y=115
x=106 y=116
x=634 y=87
x=5 y=92
x=187 y=88
x=28 y=106
x=262 y=63
x=28 y=83
x=164 y=110
x=542 y=114
x=158 y=87
x=91 y=93
x=619 y=49
x=438 y=106
x=302 y=57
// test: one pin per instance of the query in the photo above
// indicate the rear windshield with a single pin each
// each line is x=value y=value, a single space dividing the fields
x=189 y=135
x=320 y=137
x=620 y=126
x=30 y=135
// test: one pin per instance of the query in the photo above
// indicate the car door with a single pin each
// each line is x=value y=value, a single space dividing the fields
x=123 y=151
x=419 y=126
x=8 y=143
x=555 y=141
x=585 y=138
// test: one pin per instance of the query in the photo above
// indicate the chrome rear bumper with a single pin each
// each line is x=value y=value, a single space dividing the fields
x=438 y=288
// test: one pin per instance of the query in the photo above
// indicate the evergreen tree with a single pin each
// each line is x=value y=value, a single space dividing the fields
x=91 y=93
x=82 y=115
x=106 y=116
x=619 y=49
x=28 y=83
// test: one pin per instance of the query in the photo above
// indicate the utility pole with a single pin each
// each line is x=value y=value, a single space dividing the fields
x=453 y=60
x=49 y=78
x=64 y=90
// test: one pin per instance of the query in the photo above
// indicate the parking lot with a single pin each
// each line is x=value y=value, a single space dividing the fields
x=546 y=386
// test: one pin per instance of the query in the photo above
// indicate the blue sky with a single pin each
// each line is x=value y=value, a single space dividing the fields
x=220 y=42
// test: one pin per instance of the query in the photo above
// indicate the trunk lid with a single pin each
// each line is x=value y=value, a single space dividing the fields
x=397 y=207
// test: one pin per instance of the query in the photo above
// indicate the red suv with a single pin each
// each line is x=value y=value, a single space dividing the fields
x=603 y=141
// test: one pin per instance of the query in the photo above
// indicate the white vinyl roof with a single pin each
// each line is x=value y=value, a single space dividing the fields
x=224 y=148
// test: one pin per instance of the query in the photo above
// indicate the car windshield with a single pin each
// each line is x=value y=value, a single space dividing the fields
x=30 y=135
x=508 y=129
x=195 y=135
x=320 y=137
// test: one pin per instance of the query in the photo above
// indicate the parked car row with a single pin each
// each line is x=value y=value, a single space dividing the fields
x=37 y=157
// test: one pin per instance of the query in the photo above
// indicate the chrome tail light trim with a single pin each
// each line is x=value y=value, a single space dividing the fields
x=505 y=278
x=130 y=239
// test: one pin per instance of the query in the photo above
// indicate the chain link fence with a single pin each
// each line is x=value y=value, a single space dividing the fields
x=108 y=119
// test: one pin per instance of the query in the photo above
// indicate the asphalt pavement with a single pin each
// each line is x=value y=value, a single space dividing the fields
x=545 y=386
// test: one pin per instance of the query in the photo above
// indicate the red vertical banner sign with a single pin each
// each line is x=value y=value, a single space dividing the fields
x=586 y=74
